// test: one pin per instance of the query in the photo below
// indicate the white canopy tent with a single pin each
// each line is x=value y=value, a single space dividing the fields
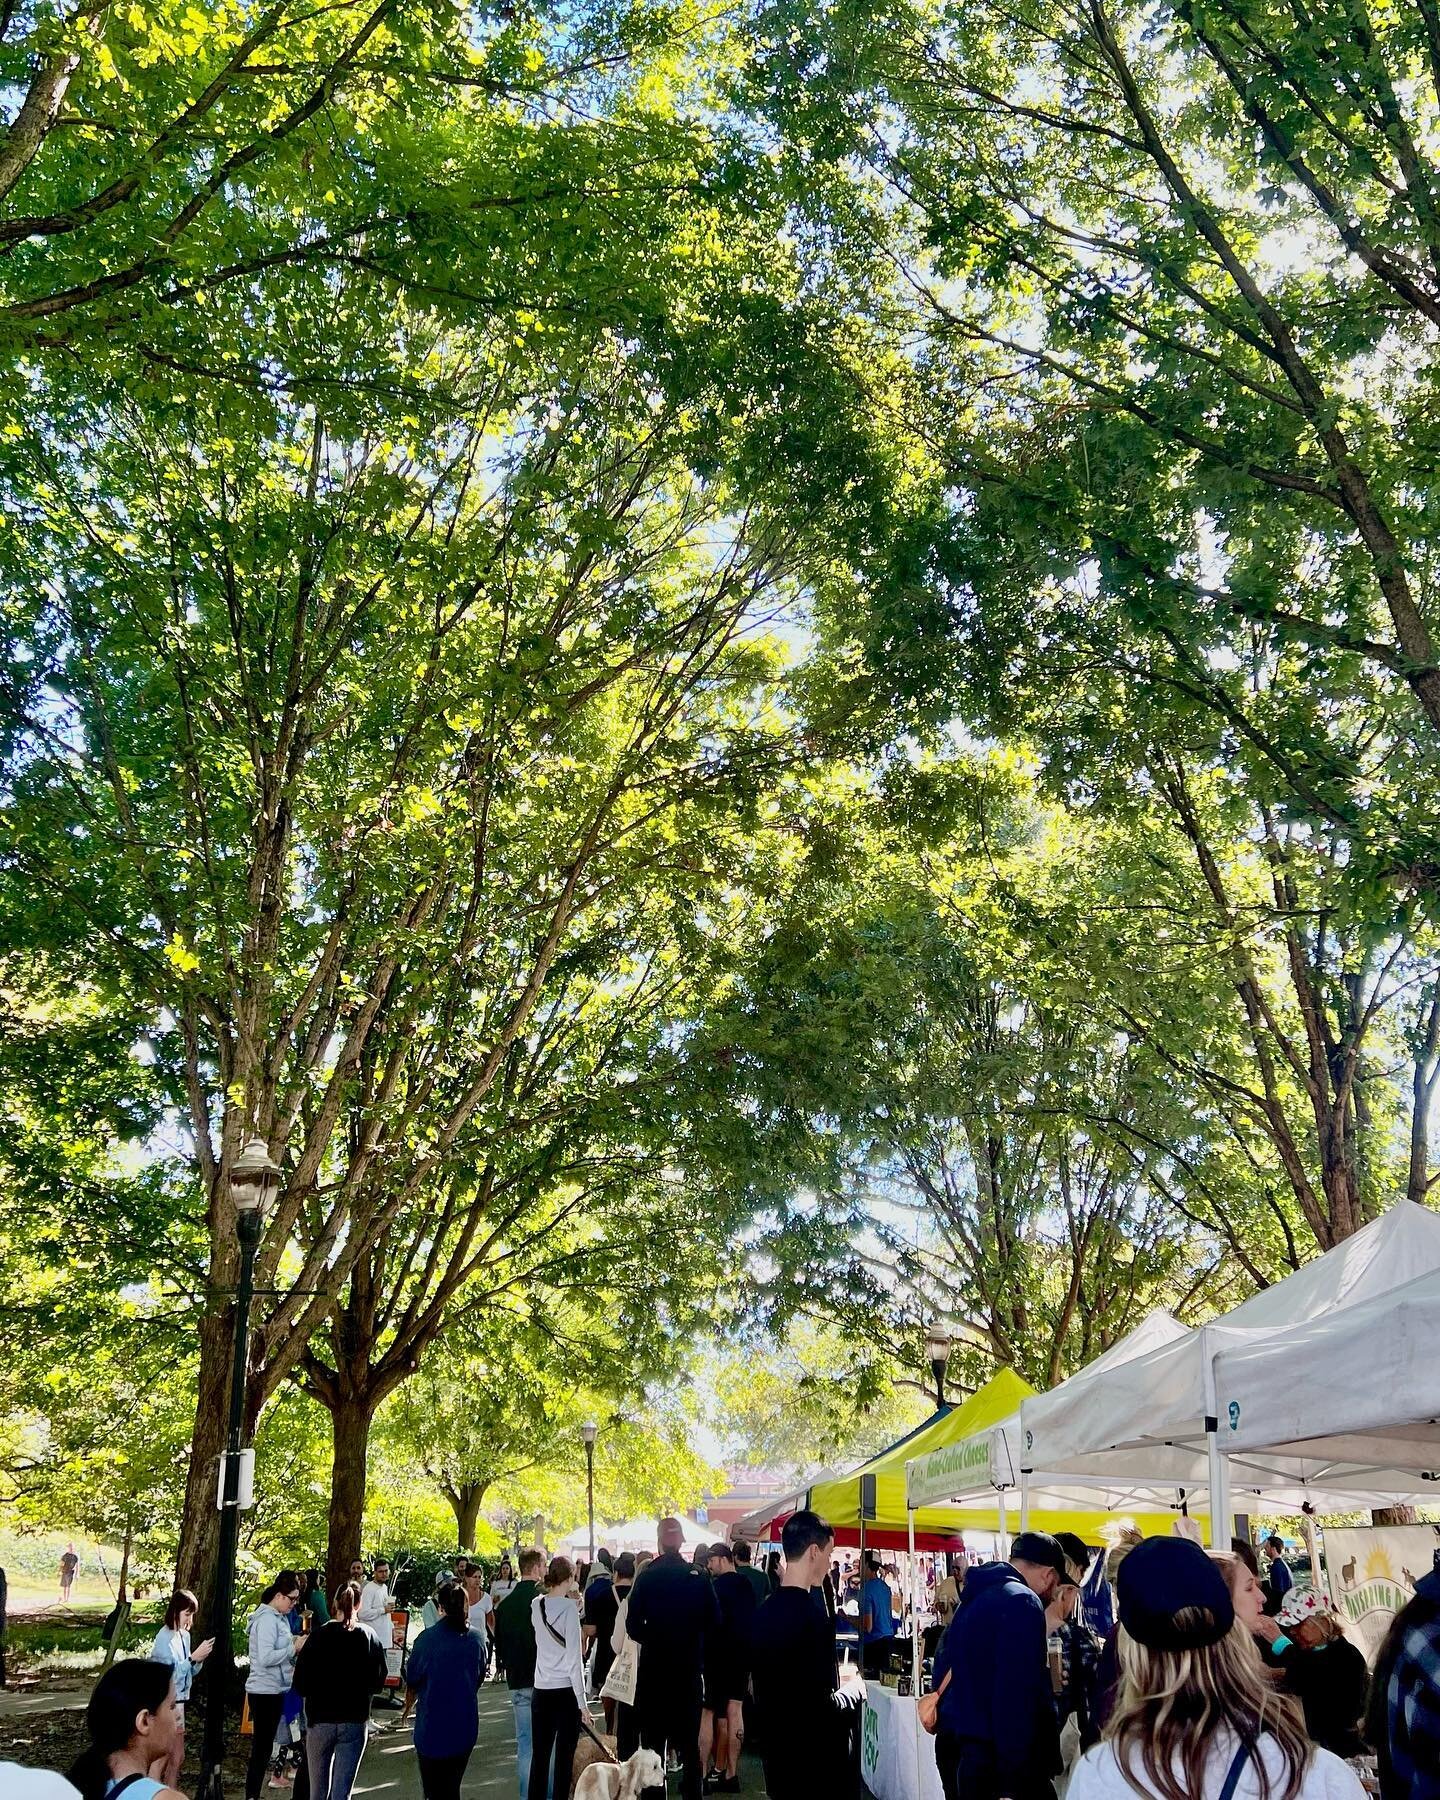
x=991 y=1463
x=1155 y=1418
x=635 y=1534
x=1360 y=1390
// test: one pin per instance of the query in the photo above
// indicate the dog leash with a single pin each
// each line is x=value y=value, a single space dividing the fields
x=598 y=1742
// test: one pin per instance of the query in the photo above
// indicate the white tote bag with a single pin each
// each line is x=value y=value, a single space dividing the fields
x=624 y=1673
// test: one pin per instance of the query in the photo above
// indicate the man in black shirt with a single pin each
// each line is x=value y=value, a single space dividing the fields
x=727 y=1670
x=515 y=1641
x=672 y=1612
x=599 y=1607
x=792 y=1662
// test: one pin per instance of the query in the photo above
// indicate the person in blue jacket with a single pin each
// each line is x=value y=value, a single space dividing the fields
x=996 y=1735
x=443 y=1677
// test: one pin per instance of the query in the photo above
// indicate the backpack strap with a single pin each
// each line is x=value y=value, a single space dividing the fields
x=119 y=1788
x=1235 y=1771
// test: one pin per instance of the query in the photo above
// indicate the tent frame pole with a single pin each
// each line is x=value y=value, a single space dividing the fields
x=914 y=1612
x=1024 y=1499
x=1221 y=1529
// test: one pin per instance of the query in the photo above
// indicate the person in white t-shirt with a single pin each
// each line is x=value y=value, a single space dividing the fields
x=376 y=1604
x=1197 y=1719
x=481 y=1615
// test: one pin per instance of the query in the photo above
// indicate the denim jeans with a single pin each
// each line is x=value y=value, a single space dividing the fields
x=522 y=1704
x=334 y=1753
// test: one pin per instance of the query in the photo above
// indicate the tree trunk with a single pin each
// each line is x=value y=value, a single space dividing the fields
x=350 y=1420
x=200 y=1520
x=121 y=1596
x=465 y=1503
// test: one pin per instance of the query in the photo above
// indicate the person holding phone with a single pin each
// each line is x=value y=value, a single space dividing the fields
x=172 y=1645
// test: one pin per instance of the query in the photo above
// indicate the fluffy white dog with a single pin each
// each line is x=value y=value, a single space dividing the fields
x=622 y=1781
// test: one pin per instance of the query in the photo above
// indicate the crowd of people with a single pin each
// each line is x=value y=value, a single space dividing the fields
x=1182 y=1674
x=1175 y=1673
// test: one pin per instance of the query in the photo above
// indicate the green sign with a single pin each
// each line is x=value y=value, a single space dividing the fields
x=950 y=1470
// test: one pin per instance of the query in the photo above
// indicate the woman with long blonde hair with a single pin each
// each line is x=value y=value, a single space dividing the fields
x=1196 y=1718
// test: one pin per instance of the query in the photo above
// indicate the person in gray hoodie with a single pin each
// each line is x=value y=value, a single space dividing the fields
x=272 y=1663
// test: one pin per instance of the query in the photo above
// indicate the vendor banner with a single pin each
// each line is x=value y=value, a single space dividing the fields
x=958 y=1468
x=1372 y=1571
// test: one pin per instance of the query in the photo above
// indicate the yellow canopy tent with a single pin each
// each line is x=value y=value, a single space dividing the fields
x=838 y=1500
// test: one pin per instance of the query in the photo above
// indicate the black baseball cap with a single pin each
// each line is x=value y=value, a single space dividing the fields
x=1074 y=1548
x=1166 y=1576
x=1040 y=1548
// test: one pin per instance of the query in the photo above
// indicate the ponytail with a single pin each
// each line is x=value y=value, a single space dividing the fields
x=123 y=1692
x=454 y=1608
x=346 y=1599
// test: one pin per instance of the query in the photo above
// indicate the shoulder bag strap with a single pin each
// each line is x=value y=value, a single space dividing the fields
x=120 y=1786
x=1236 y=1770
x=559 y=1636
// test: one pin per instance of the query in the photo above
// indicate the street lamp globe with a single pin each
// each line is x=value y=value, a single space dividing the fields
x=587 y=1431
x=938 y=1343
x=254 y=1177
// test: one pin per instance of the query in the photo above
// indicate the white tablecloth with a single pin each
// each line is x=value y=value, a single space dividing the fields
x=888 y=1749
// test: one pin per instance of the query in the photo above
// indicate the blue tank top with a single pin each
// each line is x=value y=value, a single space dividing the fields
x=134 y=1787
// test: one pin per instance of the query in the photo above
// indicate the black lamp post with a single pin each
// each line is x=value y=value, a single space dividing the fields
x=587 y=1431
x=937 y=1350
x=254 y=1177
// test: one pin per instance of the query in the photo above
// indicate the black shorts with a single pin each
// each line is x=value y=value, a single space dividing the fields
x=722 y=1685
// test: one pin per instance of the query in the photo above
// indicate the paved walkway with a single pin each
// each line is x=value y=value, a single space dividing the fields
x=391 y=1771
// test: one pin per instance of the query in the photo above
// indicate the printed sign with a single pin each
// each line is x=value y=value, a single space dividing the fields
x=395 y=1650
x=870 y=1745
x=1372 y=1571
x=951 y=1469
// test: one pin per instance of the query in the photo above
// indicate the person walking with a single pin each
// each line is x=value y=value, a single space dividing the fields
x=442 y=1683
x=1197 y=1719
x=559 y=1681
x=69 y=1562
x=792 y=1662
x=172 y=1646
x=337 y=1673
x=132 y=1725
x=272 y=1663
x=515 y=1649
x=671 y=1613
x=598 y=1608
x=626 y=1719
x=1403 y=1723
x=727 y=1671
x=997 y=1732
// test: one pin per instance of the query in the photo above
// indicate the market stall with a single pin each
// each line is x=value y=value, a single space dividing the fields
x=1155 y=1418
x=936 y=1527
